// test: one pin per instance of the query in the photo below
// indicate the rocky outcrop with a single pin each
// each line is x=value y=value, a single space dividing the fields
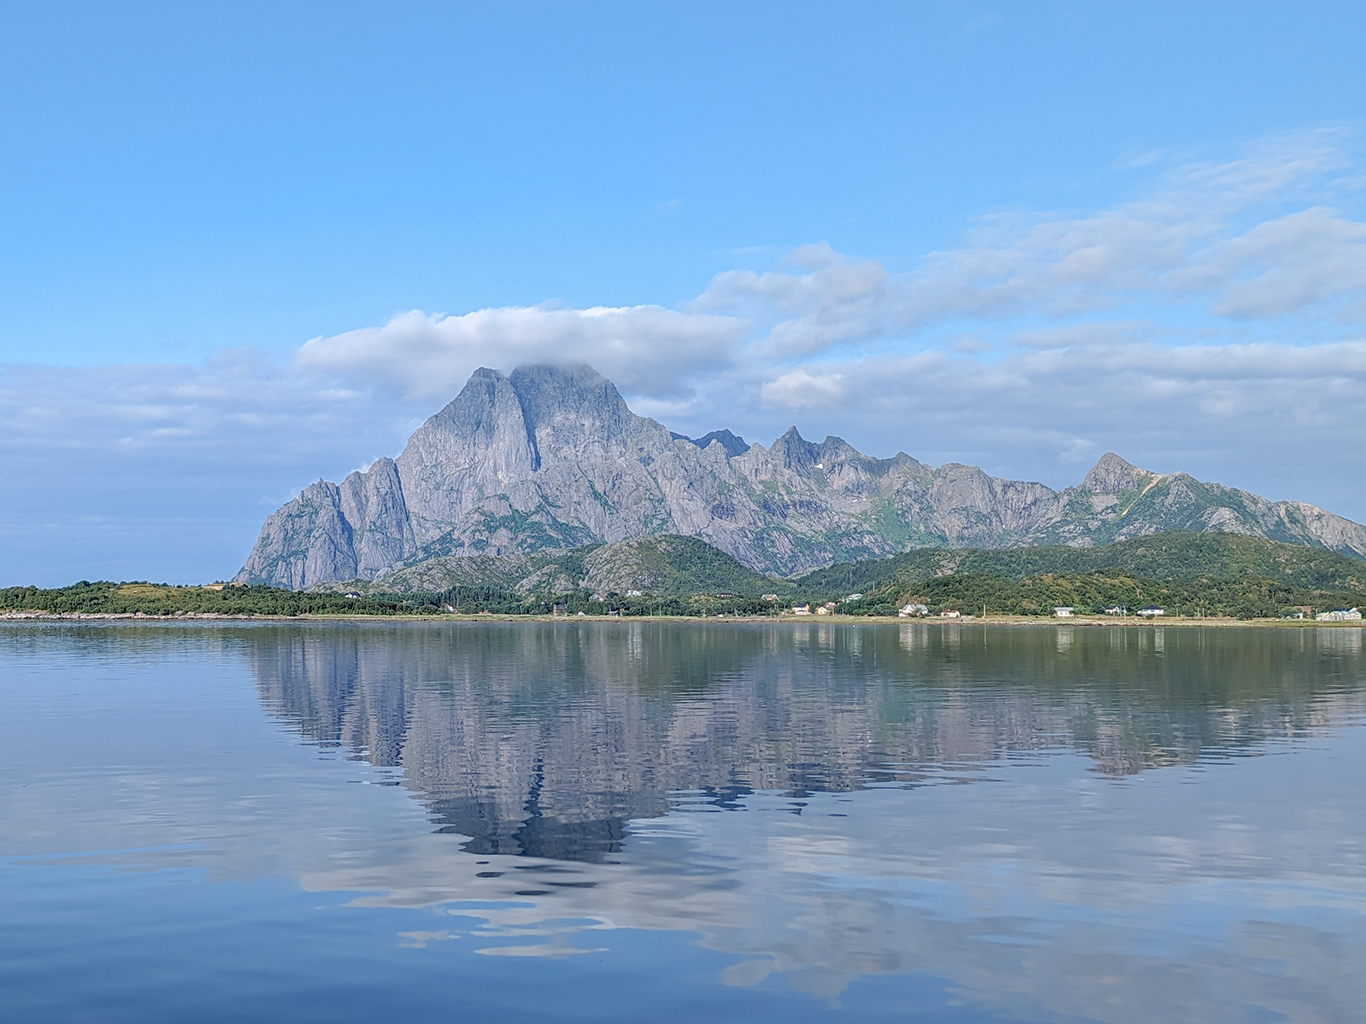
x=551 y=457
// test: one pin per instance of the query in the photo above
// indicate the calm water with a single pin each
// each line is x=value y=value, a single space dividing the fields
x=437 y=822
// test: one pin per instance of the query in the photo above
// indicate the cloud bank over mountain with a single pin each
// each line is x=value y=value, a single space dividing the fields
x=1213 y=320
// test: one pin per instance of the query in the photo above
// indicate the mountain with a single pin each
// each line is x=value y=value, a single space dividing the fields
x=550 y=457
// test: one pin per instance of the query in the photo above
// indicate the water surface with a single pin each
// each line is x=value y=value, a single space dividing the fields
x=620 y=821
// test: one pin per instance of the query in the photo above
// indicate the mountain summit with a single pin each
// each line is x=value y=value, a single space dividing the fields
x=551 y=457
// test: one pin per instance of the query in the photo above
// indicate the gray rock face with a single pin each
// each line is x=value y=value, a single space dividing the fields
x=551 y=457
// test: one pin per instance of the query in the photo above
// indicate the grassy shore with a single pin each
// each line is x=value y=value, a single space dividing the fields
x=785 y=619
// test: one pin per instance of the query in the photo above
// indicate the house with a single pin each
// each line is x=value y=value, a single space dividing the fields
x=907 y=610
x=801 y=609
x=852 y=597
x=635 y=593
x=1151 y=613
x=770 y=597
x=950 y=613
x=830 y=606
x=1346 y=615
x=1063 y=611
x=822 y=610
x=1117 y=610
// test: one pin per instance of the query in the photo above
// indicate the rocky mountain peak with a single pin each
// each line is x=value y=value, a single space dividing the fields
x=1111 y=475
x=572 y=412
x=550 y=391
x=794 y=452
x=834 y=450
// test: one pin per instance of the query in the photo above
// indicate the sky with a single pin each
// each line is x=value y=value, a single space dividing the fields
x=244 y=246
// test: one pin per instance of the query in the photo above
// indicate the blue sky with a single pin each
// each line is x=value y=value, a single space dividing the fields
x=1010 y=234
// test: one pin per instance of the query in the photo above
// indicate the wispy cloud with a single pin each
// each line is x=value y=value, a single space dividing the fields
x=1219 y=240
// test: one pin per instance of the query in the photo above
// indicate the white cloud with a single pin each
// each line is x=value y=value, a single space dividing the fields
x=802 y=389
x=647 y=350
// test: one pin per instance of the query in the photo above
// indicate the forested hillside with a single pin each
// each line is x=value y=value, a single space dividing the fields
x=107 y=598
x=1175 y=555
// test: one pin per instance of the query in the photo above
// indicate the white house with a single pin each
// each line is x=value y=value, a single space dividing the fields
x=907 y=610
x=1151 y=613
x=1347 y=615
x=1063 y=611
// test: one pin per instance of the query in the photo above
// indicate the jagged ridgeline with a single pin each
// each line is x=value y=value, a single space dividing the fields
x=550 y=458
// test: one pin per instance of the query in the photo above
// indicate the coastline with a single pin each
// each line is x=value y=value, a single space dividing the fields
x=786 y=619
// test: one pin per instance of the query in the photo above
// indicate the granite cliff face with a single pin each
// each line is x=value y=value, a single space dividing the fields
x=551 y=457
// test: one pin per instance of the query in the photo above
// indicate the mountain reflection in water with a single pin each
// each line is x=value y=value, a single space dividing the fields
x=613 y=821
x=547 y=740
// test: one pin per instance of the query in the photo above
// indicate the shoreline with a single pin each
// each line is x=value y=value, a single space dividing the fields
x=786 y=619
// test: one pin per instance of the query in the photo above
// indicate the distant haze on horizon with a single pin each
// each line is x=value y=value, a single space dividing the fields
x=247 y=248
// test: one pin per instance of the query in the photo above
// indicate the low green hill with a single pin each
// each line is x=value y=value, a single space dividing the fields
x=662 y=566
x=673 y=566
x=1164 y=556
